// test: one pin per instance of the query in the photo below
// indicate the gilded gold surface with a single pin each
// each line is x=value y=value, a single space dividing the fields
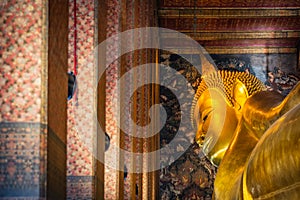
x=222 y=93
x=257 y=146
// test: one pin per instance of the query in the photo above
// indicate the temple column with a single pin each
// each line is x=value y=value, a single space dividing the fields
x=33 y=99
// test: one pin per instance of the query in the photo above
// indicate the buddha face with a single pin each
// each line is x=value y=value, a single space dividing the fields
x=216 y=121
x=217 y=109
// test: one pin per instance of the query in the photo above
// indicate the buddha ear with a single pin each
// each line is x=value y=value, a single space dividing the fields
x=240 y=94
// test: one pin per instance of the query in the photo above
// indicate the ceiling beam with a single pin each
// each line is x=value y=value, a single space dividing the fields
x=228 y=12
x=266 y=50
x=232 y=25
x=235 y=50
x=234 y=35
x=229 y=3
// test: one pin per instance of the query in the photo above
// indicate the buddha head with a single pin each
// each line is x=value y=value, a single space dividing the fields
x=217 y=109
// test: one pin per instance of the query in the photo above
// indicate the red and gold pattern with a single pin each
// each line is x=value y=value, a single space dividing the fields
x=112 y=74
x=20 y=61
x=80 y=163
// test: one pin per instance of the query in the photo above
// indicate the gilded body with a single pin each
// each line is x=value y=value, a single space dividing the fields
x=256 y=145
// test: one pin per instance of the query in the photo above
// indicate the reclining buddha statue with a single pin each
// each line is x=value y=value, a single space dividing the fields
x=250 y=134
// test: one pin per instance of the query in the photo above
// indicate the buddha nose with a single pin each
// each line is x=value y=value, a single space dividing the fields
x=200 y=136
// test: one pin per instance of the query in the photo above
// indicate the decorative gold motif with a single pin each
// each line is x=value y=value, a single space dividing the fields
x=257 y=147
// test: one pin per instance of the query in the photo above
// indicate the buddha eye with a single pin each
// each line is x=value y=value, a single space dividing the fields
x=206 y=116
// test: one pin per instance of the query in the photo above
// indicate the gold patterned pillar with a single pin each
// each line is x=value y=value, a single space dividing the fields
x=33 y=108
x=81 y=131
x=120 y=16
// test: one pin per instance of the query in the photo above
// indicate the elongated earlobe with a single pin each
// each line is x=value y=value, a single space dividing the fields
x=239 y=94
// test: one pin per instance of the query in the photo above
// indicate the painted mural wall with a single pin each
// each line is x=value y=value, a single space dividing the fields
x=191 y=176
x=278 y=71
